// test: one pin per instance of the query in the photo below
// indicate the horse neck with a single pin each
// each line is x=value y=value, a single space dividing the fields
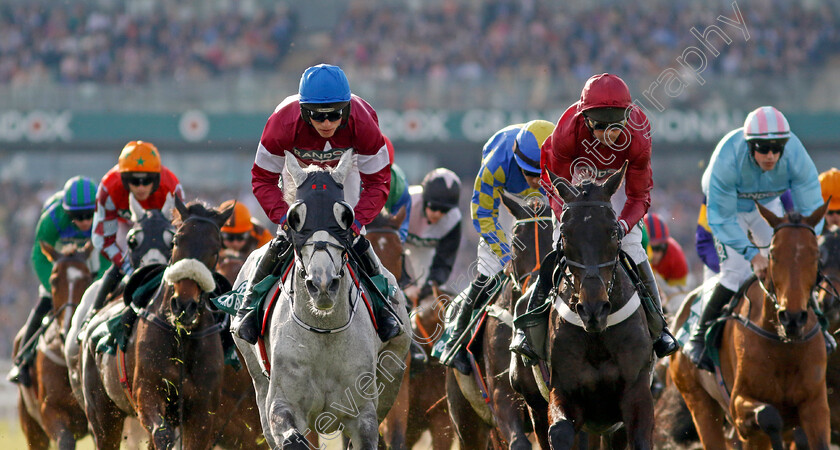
x=535 y=240
x=304 y=306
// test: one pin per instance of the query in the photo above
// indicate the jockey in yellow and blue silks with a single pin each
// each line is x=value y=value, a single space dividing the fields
x=758 y=162
x=510 y=162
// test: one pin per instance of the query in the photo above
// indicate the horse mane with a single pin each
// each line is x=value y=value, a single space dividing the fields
x=69 y=249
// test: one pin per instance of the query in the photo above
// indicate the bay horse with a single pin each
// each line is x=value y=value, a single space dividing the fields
x=337 y=377
x=47 y=409
x=501 y=418
x=772 y=353
x=237 y=412
x=170 y=375
x=599 y=350
x=829 y=301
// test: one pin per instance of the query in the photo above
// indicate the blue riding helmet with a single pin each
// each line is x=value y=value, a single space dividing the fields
x=528 y=142
x=79 y=194
x=324 y=94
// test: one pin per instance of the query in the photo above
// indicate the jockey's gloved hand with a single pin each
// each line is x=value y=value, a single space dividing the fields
x=126 y=268
x=623 y=229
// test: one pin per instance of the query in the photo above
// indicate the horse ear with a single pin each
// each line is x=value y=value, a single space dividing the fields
x=614 y=181
x=49 y=251
x=343 y=168
x=562 y=187
x=344 y=215
x=225 y=214
x=183 y=212
x=168 y=205
x=768 y=216
x=136 y=209
x=293 y=166
x=818 y=214
x=397 y=219
x=296 y=216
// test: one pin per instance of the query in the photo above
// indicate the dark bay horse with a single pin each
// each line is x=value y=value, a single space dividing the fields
x=237 y=413
x=502 y=418
x=171 y=373
x=829 y=301
x=598 y=345
x=772 y=355
x=48 y=411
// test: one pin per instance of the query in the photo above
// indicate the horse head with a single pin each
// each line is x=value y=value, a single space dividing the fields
x=532 y=232
x=69 y=278
x=829 y=297
x=196 y=245
x=150 y=239
x=383 y=232
x=793 y=267
x=591 y=239
x=320 y=239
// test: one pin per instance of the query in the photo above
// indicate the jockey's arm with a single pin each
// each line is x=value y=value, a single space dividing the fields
x=485 y=211
x=45 y=232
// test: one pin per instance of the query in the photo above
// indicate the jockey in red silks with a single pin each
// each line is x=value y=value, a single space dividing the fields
x=317 y=126
x=593 y=139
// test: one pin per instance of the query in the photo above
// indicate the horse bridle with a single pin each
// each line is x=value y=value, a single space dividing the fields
x=590 y=270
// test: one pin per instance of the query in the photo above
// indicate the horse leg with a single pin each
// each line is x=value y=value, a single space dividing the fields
x=104 y=418
x=364 y=429
x=471 y=429
x=814 y=420
x=395 y=423
x=561 y=432
x=282 y=426
x=752 y=416
x=705 y=411
x=637 y=413
x=35 y=435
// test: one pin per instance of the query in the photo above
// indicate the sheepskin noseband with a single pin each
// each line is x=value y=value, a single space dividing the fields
x=192 y=269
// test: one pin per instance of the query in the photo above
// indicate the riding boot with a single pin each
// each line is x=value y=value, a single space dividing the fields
x=519 y=343
x=666 y=344
x=110 y=280
x=695 y=348
x=246 y=325
x=542 y=287
x=388 y=326
x=475 y=298
x=418 y=355
x=20 y=368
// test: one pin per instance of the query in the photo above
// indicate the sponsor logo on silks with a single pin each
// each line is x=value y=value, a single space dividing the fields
x=760 y=195
x=721 y=250
x=418 y=241
x=333 y=154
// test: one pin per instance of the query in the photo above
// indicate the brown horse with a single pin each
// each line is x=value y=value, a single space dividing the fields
x=502 y=418
x=772 y=354
x=598 y=346
x=48 y=411
x=237 y=413
x=173 y=364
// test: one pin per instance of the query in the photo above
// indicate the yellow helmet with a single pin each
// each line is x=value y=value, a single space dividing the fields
x=240 y=221
x=830 y=185
x=139 y=156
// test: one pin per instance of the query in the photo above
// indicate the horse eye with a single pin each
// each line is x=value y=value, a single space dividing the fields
x=135 y=239
x=168 y=238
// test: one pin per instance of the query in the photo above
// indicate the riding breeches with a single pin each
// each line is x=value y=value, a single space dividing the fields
x=734 y=268
x=488 y=263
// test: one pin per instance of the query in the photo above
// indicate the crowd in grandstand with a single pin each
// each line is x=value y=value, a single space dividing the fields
x=77 y=42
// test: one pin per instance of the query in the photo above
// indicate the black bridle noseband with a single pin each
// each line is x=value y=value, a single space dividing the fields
x=590 y=270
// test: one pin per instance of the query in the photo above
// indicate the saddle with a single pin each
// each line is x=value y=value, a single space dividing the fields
x=472 y=339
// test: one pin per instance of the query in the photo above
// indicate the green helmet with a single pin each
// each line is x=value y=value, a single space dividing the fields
x=79 y=194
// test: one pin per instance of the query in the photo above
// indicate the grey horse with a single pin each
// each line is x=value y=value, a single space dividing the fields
x=325 y=369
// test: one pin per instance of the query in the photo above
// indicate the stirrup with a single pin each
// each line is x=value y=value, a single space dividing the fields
x=520 y=345
x=246 y=326
x=666 y=344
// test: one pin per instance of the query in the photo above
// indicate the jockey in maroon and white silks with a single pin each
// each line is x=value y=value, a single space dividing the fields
x=286 y=131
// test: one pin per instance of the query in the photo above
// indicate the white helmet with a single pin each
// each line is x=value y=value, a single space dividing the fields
x=766 y=122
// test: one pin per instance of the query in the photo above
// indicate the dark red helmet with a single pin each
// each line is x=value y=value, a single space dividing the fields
x=656 y=228
x=605 y=98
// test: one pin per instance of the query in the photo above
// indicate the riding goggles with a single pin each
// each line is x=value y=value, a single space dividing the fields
x=80 y=215
x=437 y=207
x=763 y=147
x=235 y=236
x=320 y=116
x=601 y=126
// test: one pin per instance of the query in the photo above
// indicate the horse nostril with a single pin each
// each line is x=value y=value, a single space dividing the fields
x=333 y=288
x=310 y=286
x=174 y=306
x=605 y=308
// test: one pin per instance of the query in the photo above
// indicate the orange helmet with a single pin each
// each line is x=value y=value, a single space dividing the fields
x=240 y=221
x=830 y=184
x=139 y=156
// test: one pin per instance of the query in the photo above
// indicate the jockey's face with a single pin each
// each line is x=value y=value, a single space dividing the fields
x=832 y=218
x=767 y=161
x=434 y=215
x=533 y=182
x=141 y=192
x=326 y=128
x=607 y=137
x=83 y=225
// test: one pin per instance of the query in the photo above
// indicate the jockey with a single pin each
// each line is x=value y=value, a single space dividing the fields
x=317 y=126
x=398 y=196
x=510 y=163
x=138 y=171
x=243 y=233
x=830 y=186
x=621 y=132
x=65 y=220
x=665 y=253
x=757 y=162
x=434 y=232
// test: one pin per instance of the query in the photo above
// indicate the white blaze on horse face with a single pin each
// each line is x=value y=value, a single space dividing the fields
x=322 y=267
x=153 y=256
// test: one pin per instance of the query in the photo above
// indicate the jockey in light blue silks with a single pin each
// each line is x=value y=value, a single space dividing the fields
x=758 y=162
